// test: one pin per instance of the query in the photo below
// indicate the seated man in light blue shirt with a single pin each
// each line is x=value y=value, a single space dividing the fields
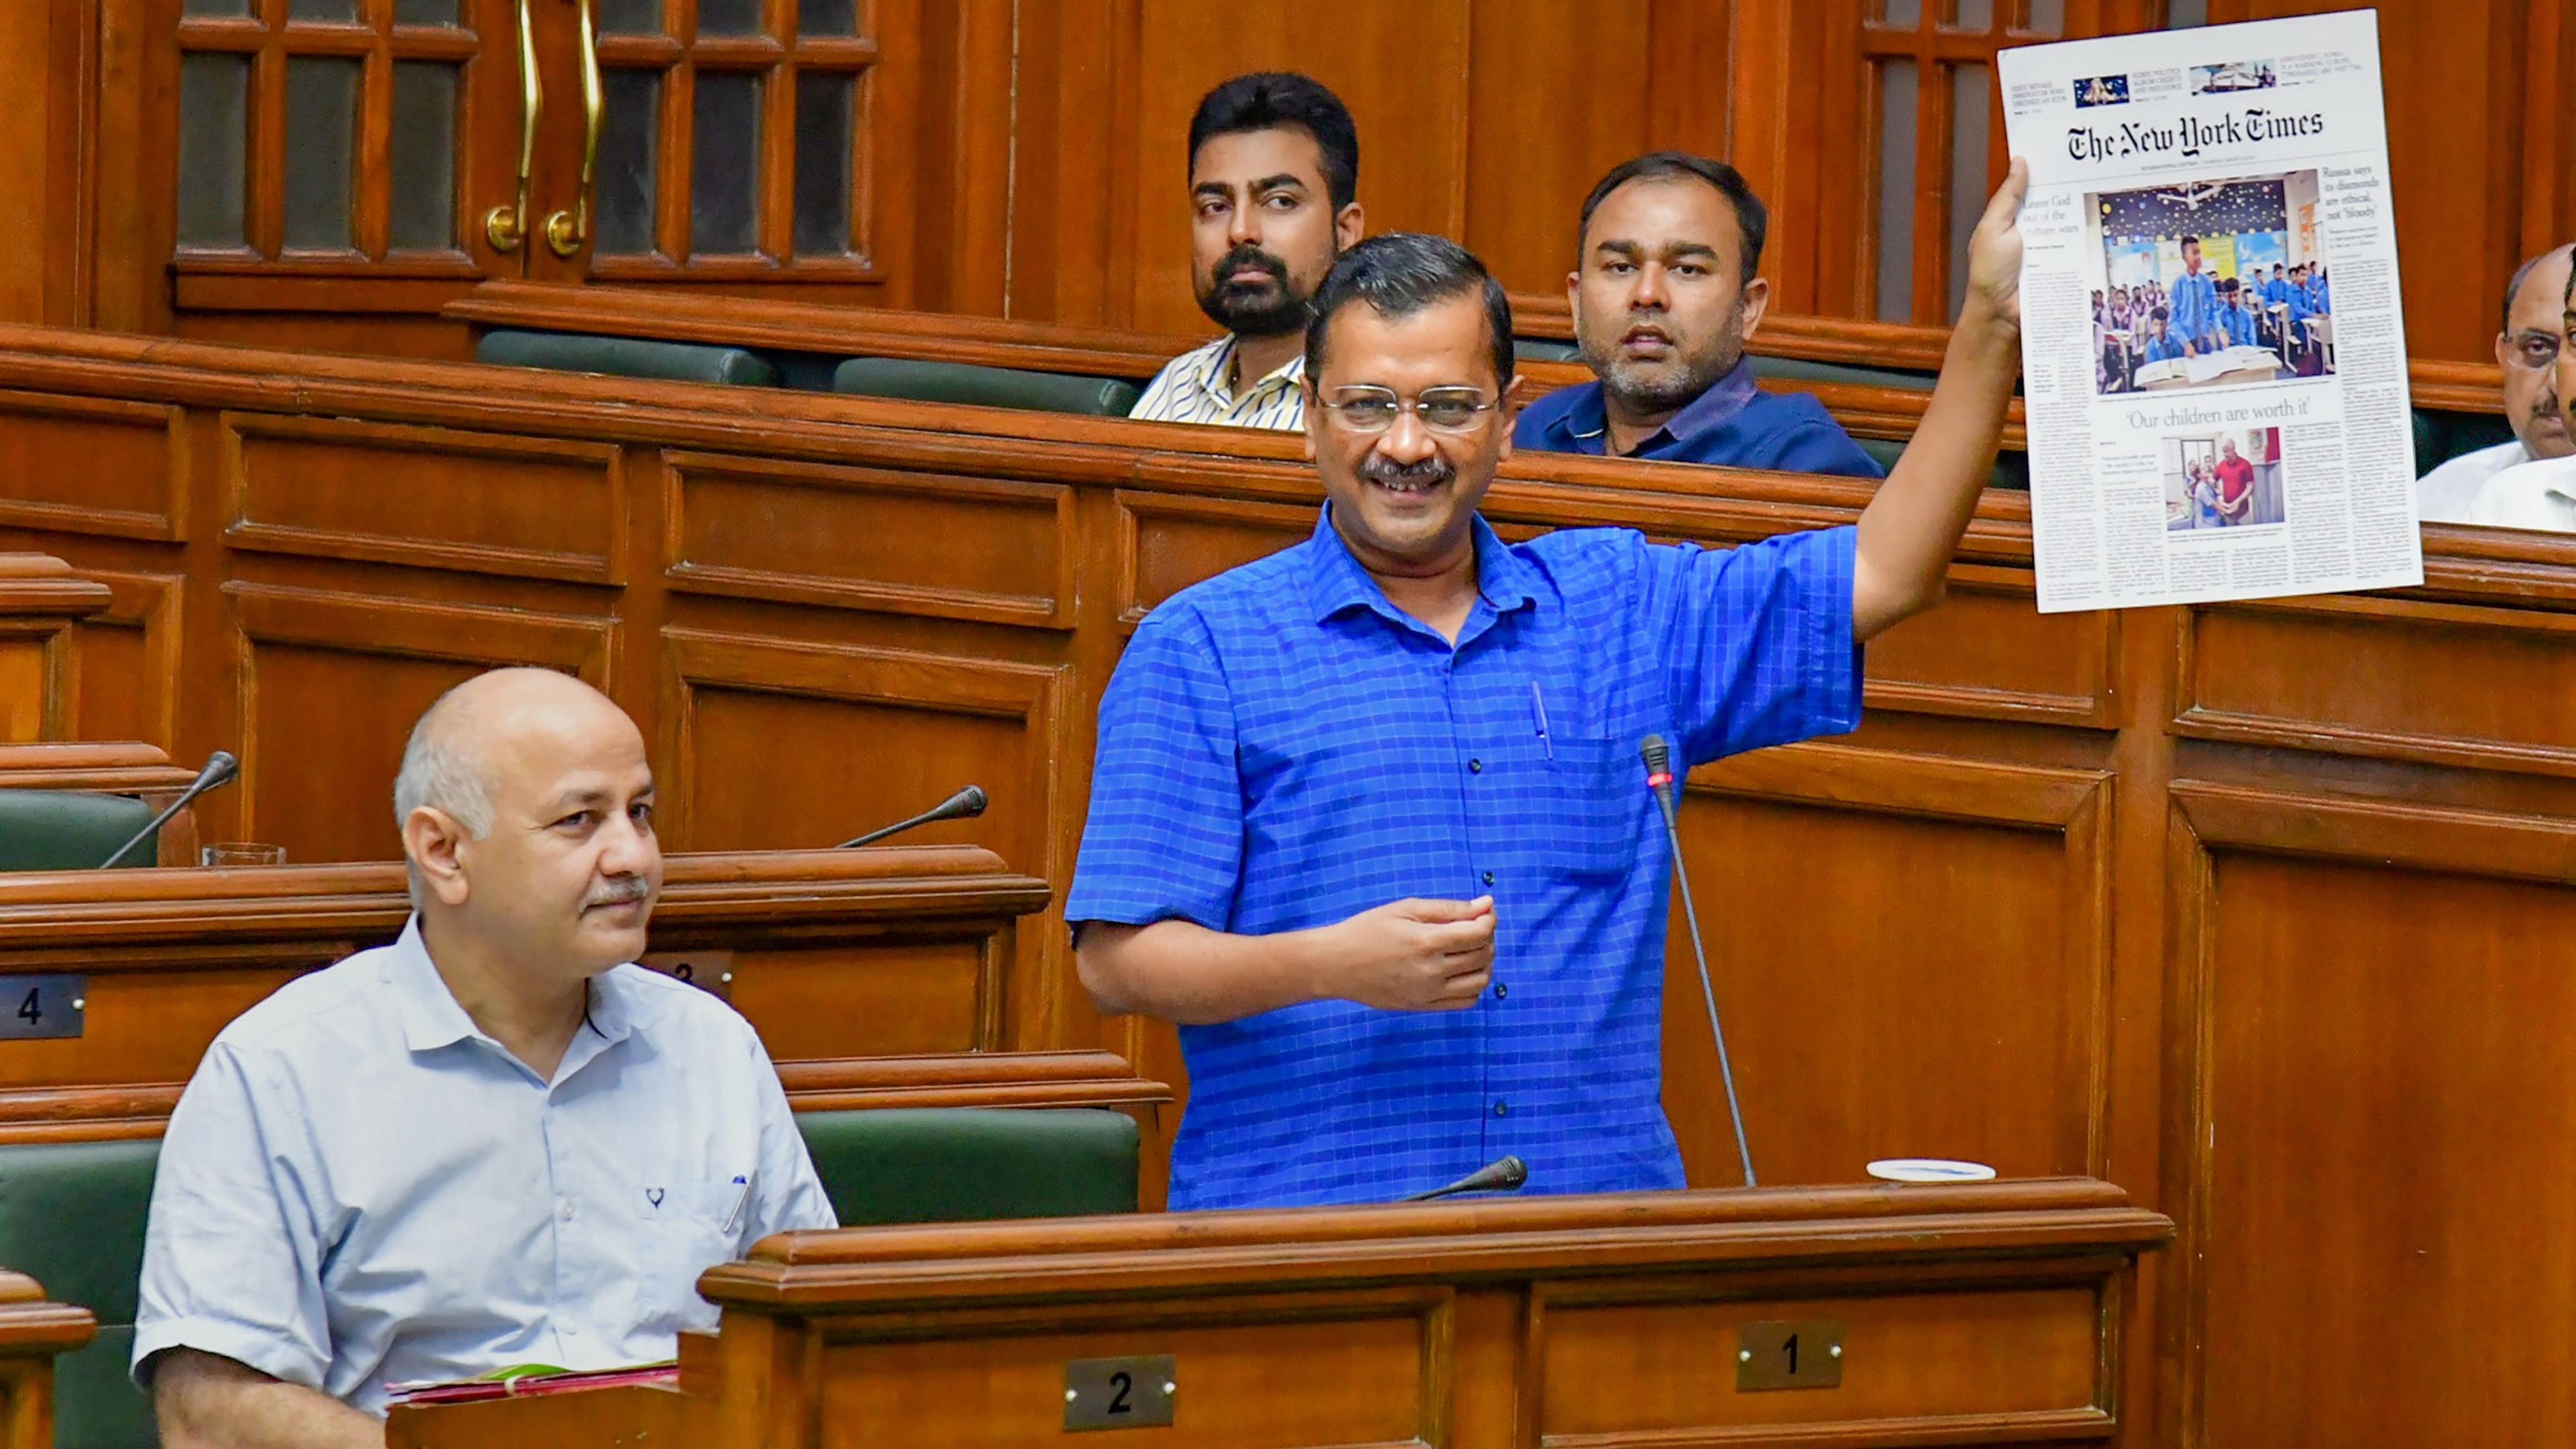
x=489 y=1143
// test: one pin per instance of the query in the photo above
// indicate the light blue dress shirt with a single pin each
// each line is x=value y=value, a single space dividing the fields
x=360 y=1188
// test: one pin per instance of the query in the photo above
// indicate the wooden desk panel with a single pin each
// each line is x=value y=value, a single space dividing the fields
x=875 y=977
x=123 y=767
x=40 y=598
x=1968 y=1315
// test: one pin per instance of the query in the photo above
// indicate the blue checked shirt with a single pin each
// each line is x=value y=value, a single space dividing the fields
x=1282 y=748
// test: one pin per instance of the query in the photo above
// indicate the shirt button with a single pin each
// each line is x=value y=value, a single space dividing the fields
x=1475 y=767
x=568 y=1210
x=1501 y=991
x=1502 y=1109
x=1489 y=877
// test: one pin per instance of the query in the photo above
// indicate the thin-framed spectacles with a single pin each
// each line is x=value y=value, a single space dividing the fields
x=1440 y=409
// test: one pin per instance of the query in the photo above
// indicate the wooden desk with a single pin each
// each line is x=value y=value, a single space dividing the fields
x=1963 y=1315
x=40 y=599
x=876 y=977
x=32 y=1331
x=124 y=767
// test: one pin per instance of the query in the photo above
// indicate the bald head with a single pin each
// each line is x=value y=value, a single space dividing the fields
x=455 y=744
x=2535 y=311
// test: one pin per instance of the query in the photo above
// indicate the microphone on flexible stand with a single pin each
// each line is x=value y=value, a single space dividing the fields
x=1503 y=1174
x=1659 y=778
x=964 y=805
x=220 y=768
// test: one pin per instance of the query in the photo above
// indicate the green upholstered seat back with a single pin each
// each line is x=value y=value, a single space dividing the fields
x=68 y=830
x=72 y=1216
x=958 y=1164
x=2442 y=436
x=991 y=387
x=626 y=357
x=1799 y=369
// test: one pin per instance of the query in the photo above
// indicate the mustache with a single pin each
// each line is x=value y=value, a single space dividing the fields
x=622 y=891
x=1379 y=468
x=1248 y=255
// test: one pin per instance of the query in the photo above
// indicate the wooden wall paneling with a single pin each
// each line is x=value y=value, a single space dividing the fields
x=2353 y=675
x=941 y=547
x=1166 y=542
x=1073 y=185
x=1987 y=652
x=1556 y=95
x=330 y=682
x=2548 y=179
x=767 y=741
x=2364 y=1079
x=334 y=488
x=41 y=601
x=1400 y=68
x=968 y=92
x=47 y=56
x=130 y=657
x=1991 y=1044
x=93 y=465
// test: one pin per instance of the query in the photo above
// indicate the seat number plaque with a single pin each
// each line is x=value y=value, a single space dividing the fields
x=1792 y=1353
x=40 y=1006
x=1119 y=1393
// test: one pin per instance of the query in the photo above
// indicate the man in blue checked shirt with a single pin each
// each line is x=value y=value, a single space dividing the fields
x=1368 y=819
x=2195 y=304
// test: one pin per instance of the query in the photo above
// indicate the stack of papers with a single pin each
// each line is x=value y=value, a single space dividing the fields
x=528 y=1378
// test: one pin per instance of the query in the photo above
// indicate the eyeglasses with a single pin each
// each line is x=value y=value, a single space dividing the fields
x=1441 y=409
x=2531 y=351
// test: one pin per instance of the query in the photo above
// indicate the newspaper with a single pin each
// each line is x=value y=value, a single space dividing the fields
x=2212 y=349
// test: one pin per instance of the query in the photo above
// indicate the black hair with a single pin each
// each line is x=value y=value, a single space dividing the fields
x=1752 y=221
x=1271 y=100
x=2158 y=314
x=1398 y=274
x=2189 y=241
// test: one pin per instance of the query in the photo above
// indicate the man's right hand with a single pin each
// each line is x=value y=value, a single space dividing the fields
x=1415 y=955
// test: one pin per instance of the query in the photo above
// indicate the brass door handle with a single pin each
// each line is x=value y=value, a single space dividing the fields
x=566 y=231
x=507 y=226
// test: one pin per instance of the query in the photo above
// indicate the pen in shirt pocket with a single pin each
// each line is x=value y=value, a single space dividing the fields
x=741 y=1200
x=1538 y=716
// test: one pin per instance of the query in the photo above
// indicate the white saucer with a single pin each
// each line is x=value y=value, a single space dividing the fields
x=1929 y=1169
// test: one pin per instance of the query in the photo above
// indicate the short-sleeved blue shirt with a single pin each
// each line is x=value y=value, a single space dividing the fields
x=1283 y=748
x=1732 y=425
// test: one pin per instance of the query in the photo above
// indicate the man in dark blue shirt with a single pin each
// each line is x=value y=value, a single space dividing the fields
x=1367 y=817
x=1664 y=296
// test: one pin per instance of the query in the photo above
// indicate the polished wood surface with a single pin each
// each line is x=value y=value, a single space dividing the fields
x=41 y=598
x=877 y=977
x=32 y=1331
x=2087 y=894
x=1969 y=1315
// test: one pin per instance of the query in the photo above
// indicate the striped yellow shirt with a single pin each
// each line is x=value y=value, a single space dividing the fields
x=1191 y=388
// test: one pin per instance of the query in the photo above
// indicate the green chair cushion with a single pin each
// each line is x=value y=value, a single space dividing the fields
x=96 y=1405
x=1799 y=369
x=72 y=1216
x=626 y=357
x=1545 y=349
x=68 y=830
x=991 y=387
x=959 y=1164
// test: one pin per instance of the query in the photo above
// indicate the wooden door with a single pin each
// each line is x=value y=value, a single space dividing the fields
x=746 y=144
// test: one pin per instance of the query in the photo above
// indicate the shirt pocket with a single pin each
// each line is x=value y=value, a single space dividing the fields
x=1592 y=796
x=685 y=1228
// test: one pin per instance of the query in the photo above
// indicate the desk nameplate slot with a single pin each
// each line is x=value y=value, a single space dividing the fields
x=1119 y=1393
x=710 y=971
x=1789 y=1353
x=52 y=1004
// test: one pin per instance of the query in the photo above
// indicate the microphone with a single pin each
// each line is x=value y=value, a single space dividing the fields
x=964 y=805
x=220 y=769
x=1503 y=1174
x=1659 y=778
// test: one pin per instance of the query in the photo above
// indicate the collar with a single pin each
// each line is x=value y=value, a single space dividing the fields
x=1335 y=582
x=1218 y=356
x=431 y=1017
x=1588 y=421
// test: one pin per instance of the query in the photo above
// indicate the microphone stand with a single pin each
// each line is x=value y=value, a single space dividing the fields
x=220 y=768
x=1659 y=779
x=964 y=805
x=1503 y=1174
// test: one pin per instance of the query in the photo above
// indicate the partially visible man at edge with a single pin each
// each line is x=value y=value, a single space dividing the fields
x=1367 y=817
x=1666 y=291
x=1274 y=180
x=492 y=1142
x=2527 y=349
